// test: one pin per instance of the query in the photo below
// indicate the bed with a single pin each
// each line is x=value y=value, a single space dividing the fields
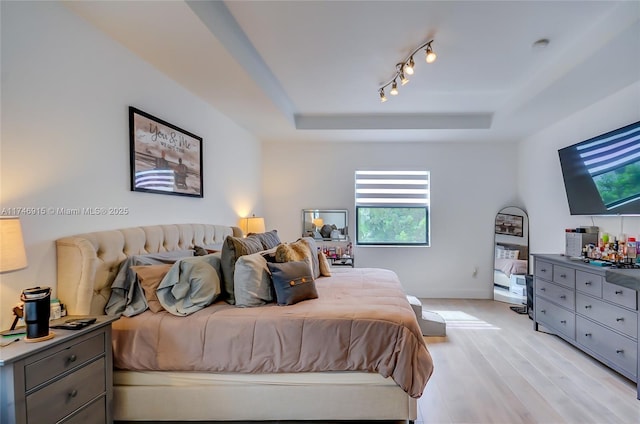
x=380 y=369
x=510 y=260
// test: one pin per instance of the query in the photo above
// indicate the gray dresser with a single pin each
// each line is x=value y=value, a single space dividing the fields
x=591 y=307
x=67 y=379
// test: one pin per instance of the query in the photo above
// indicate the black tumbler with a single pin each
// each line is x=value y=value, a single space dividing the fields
x=37 y=308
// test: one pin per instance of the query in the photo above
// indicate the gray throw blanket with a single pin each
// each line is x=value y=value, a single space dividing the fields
x=127 y=297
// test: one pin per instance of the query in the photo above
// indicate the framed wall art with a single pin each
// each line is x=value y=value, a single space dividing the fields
x=511 y=225
x=165 y=159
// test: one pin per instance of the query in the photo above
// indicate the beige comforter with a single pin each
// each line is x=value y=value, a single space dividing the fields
x=361 y=321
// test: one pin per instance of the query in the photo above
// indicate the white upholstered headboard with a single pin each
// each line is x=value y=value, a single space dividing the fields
x=88 y=263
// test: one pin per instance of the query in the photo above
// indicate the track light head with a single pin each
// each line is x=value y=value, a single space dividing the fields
x=383 y=98
x=408 y=67
x=430 y=54
x=394 y=89
x=403 y=79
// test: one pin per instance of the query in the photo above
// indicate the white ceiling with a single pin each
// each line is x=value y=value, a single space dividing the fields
x=297 y=71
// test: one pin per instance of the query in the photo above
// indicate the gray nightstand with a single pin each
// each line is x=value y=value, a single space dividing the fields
x=67 y=379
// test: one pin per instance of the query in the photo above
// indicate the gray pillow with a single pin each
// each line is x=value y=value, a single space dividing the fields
x=252 y=282
x=292 y=281
x=269 y=239
x=232 y=249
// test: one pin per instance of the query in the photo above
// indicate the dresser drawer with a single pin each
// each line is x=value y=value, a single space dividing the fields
x=556 y=318
x=558 y=294
x=622 y=320
x=589 y=283
x=614 y=348
x=55 y=364
x=94 y=413
x=543 y=270
x=620 y=295
x=62 y=397
x=564 y=275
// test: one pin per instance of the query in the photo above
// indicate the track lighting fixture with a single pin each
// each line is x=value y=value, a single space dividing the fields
x=406 y=67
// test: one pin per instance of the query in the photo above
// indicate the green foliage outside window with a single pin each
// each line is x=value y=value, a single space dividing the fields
x=620 y=184
x=392 y=225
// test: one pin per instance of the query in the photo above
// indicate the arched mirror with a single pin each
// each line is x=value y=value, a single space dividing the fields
x=511 y=256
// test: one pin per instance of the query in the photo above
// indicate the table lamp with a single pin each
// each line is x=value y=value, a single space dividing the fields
x=12 y=254
x=251 y=224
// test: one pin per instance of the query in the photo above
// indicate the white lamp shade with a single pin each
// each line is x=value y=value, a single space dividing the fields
x=251 y=224
x=12 y=253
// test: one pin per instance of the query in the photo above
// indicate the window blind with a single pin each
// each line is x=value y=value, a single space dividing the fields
x=392 y=188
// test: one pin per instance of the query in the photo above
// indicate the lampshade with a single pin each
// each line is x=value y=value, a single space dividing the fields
x=318 y=222
x=12 y=254
x=251 y=224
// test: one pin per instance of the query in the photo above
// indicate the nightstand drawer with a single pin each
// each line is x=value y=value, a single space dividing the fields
x=61 y=398
x=94 y=413
x=73 y=356
x=612 y=316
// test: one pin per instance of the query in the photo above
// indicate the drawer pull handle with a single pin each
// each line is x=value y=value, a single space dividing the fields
x=563 y=297
x=619 y=319
x=73 y=393
x=563 y=275
x=564 y=321
x=587 y=306
x=618 y=291
x=542 y=289
x=587 y=334
x=588 y=283
x=620 y=351
x=543 y=270
x=73 y=358
x=543 y=311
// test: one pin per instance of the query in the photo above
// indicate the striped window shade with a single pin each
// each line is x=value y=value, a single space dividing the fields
x=392 y=188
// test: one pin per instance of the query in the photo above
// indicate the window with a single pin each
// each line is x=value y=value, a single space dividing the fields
x=392 y=208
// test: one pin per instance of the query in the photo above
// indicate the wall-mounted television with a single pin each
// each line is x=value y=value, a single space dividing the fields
x=602 y=174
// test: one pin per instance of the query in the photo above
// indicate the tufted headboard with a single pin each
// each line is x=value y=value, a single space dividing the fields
x=88 y=263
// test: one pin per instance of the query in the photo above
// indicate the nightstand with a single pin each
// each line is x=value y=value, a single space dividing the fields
x=67 y=379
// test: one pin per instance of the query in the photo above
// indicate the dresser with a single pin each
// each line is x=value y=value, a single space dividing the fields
x=67 y=379
x=591 y=307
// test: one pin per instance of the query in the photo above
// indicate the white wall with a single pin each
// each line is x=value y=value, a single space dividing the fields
x=66 y=88
x=540 y=176
x=470 y=183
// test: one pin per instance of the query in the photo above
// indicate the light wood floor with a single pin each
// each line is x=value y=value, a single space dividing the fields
x=493 y=368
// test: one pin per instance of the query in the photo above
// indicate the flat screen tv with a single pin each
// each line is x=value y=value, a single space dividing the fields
x=602 y=174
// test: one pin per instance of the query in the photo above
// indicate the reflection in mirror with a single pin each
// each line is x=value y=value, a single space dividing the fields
x=325 y=224
x=511 y=256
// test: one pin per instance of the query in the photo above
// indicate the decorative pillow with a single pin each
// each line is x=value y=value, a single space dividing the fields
x=299 y=250
x=232 y=249
x=190 y=285
x=293 y=281
x=325 y=268
x=149 y=277
x=507 y=254
x=252 y=282
x=269 y=239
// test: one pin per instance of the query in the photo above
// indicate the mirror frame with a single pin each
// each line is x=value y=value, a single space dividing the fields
x=309 y=229
x=518 y=238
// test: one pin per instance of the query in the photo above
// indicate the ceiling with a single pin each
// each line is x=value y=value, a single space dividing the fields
x=302 y=71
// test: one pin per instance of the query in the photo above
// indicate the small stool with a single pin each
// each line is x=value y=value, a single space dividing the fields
x=430 y=323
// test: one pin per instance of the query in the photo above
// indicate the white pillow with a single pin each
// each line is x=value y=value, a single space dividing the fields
x=507 y=254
